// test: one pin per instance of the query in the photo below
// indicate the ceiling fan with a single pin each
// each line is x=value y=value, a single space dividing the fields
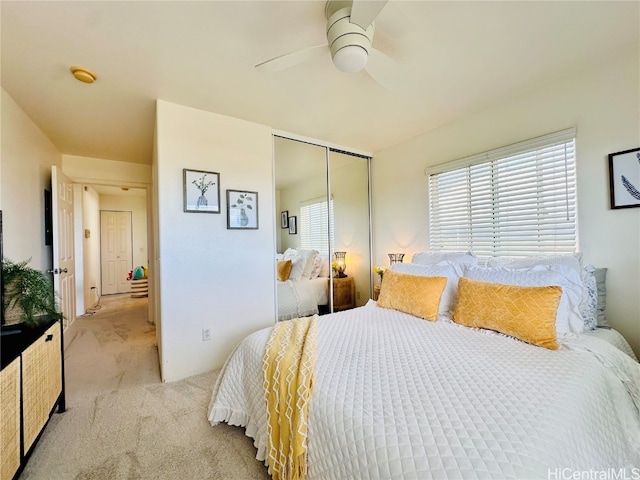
x=350 y=28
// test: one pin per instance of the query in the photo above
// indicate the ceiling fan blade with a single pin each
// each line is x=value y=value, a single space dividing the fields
x=294 y=58
x=385 y=71
x=364 y=12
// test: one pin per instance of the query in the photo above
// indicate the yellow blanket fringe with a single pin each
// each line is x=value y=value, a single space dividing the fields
x=288 y=365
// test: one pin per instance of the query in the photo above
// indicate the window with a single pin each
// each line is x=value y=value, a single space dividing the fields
x=315 y=216
x=513 y=201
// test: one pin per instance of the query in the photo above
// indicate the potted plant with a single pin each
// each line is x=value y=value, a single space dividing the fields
x=28 y=294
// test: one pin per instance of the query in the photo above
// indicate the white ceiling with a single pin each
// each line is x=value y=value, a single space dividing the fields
x=455 y=58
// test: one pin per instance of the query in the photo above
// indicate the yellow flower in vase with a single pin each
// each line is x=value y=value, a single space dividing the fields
x=380 y=271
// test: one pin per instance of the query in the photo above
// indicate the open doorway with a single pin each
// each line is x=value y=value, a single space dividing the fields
x=114 y=222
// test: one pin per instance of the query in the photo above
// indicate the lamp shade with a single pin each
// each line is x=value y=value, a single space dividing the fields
x=395 y=258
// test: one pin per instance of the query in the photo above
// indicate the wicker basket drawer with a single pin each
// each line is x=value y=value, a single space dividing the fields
x=42 y=382
x=10 y=419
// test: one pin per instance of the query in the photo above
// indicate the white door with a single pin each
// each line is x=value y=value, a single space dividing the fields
x=64 y=279
x=116 y=251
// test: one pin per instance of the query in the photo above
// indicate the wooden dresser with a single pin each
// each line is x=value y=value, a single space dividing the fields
x=31 y=386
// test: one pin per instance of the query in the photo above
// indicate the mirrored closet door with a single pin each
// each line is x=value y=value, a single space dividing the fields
x=322 y=207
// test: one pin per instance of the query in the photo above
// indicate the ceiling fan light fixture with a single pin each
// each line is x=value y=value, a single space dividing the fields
x=350 y=59
x=349 y=43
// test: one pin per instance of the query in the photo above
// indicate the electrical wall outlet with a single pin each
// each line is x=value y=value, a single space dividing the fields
x=206 y=334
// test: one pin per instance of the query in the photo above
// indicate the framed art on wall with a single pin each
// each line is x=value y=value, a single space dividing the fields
x=201 y=191
x=293 y=225
x=284 y=219
x=624 y=178
x=242 y=210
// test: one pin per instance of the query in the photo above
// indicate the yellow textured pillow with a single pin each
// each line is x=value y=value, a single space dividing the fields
x=284 y=270
x=413 y=294
x=527 y=313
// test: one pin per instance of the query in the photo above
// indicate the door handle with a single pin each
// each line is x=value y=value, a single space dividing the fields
x=57 y=271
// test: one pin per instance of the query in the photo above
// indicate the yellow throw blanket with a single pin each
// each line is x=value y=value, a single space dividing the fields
x=288 y=365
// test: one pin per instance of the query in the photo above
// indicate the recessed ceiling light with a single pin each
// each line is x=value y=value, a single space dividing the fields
x=83 y=74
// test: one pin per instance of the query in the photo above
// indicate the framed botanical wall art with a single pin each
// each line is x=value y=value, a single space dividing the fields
x=293 y=225
x=242 y=210
x=201 y=191
x=624 y=178
x=284 y=219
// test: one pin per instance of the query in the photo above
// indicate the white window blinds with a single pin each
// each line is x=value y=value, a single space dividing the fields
x=316 y=221
x=518 y=200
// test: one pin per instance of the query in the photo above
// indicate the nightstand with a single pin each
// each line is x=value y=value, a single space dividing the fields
x=376 y=292
x=344 y=293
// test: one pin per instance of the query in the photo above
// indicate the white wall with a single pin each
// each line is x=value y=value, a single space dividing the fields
x=27 y=156
x=602 y=103
x=138 y=208
x=211 y=277
x=91 y=245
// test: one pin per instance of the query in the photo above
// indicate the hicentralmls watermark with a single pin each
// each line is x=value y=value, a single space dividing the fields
x=592 y=474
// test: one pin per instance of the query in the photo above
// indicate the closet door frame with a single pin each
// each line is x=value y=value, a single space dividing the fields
x=329 y=147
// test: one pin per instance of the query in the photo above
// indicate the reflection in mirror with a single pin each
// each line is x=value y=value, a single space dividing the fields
x=349 y=184
x=303 y=216
x=319 y=214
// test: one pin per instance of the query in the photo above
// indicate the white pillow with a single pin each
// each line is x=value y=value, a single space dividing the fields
x=325 y=269
x=307 y=256
x=451 y=270
x=298 y=263
x=317 y=266
x=568 y=318
x=572 y=260
x=468 y=259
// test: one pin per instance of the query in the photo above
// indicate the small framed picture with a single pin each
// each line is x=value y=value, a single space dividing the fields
x=624 y=178
x=284 y=219
x=201 y=191
x=242 y=210
x=293 y=225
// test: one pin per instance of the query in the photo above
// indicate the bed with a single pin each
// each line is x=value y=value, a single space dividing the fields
x=302 y=283
x=301 y=298
x=396 y=396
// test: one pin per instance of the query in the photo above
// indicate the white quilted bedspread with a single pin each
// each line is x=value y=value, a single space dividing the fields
x=399 y=397
x=296 y=299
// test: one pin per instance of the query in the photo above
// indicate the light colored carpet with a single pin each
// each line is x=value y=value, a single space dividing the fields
x=122 y=423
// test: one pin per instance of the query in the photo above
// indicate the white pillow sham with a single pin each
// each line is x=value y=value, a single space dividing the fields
x=572 y=260
x=297 y=264
x=468 y=259
x=307 y=262
x=317 y=266
x=451 y=270
x=568 y=318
